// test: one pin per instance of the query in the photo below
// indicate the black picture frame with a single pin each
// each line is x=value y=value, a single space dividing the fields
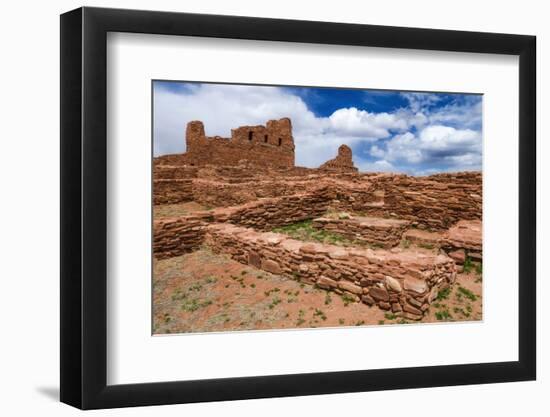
x=84 y=207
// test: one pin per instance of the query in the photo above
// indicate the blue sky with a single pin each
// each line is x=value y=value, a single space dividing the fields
x=389 y=131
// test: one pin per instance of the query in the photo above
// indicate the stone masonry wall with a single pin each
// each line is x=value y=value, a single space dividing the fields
x=174 y=237
x=172 y=191
x=385 y=233
x=178 y=235
x=464 y=240
x=343 y=161
x=271 y=145
x=268 y=213
x=435 y=202
x=223 y=194
x=405 y=283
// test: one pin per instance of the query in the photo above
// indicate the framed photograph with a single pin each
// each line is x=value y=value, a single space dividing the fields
x=257 y=208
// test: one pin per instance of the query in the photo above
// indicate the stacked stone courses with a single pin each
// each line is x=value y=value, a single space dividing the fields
x=405 y=236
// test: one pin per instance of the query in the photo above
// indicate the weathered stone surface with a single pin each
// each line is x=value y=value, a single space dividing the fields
x=338 y=254
x=367 y=299
x=464 y=239
x=270 y=145
x=343 y=161
x=348 y=286
x=379 y=294
x=254 y=259
x=372 y=230
x=415 y=285
x=413 y=310
x=384 y=306
x=326 y=283
x=393 y=284
x=271 y=266
x=411 y=316
x=396 y=307
x=423 y=237
x=476 y=256
x=458 y=255
x=414 y=302
x=308 y=248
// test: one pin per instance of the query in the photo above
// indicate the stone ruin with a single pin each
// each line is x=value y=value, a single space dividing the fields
x=342 y=163
x=411 y=234
x=271 y=145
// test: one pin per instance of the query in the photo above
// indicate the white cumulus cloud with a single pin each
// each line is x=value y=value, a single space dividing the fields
x=422 y=137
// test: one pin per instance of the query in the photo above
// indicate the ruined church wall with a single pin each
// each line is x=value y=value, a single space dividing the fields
x=269 y=146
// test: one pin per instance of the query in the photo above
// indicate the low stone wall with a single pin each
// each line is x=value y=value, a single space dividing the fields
x=423 y=237
x=464 y=240
x=174 y=237
x=434 y=202
x=172 y=191
x=178 y=235
x=404 y=282
x=224 y=194
x=266 y=214
x=171 y=172
x=382 y=232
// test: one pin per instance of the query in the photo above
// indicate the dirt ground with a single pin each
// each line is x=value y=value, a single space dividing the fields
x=205 y=292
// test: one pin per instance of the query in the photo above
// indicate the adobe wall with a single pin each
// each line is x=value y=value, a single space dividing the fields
x=271 y=145
x=405 y=283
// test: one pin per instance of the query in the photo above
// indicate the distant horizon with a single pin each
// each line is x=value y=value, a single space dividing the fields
x=388 y=131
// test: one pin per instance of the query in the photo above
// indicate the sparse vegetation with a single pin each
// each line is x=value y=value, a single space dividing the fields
x=347 y=299
x=443 y=315
x=211 y=280
x=305 y=231
x=426 y=245
x=443 y=294
x=468 y=265
x=194 y=304
x=271 y=291
x=301 y=319
x=467 y=293
x=479 y=268
x=319 y=313
x=276 y=300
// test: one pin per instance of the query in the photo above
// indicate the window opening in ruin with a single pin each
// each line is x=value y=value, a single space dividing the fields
x=265 y=138
x=280 y=141
x=250 y=135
